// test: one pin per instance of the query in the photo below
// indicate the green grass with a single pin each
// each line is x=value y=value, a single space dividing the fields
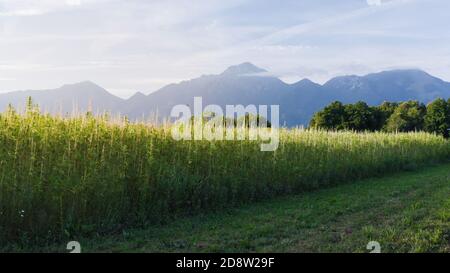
x=405 y=212
x=78 y=176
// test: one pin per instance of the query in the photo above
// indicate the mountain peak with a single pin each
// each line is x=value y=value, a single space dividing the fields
x=83 y=84
x=137 y=96
x=305 y=82
x=85 y=88
x=404 y=72
x=243 y=69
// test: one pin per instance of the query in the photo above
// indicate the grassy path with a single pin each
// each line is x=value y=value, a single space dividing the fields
x=406 y=212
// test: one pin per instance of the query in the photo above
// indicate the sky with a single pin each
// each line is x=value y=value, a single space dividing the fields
x=141 y=45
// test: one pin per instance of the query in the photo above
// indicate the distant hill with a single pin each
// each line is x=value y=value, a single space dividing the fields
x=244 y=84
x=396 y=85
x=80 y=97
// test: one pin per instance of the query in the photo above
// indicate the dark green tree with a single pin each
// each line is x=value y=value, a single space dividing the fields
x=408 y=116
x=359 y=117
x=382 y=113
x=437 y=118
x=332 y=117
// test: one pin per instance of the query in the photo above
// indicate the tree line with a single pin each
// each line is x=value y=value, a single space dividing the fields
x=389 y=116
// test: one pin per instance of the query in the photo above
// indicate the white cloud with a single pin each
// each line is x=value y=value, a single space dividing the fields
x=383 y=2
x=73 y=2
x=39 y=7
x=22 y=12
x=143 y=45
x=374 y=2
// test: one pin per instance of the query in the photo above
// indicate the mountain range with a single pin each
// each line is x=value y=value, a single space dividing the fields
x=241 y=84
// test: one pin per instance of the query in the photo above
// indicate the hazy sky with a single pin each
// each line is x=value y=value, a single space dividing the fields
x=141 y=45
